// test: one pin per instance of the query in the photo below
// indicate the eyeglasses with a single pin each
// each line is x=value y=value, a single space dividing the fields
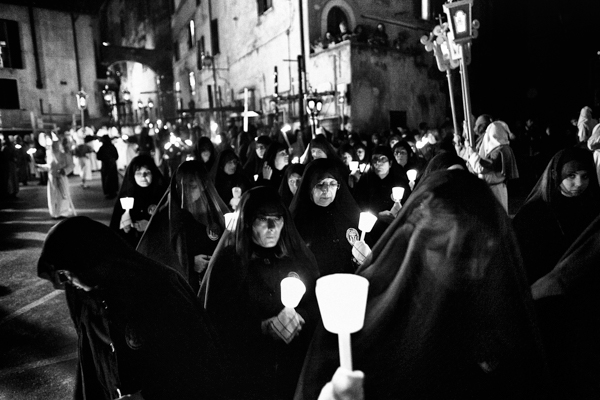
x=233 y=162
x=379 y=160
x=143 y=173
x=401 y=152
x=325 y=186
x=294 y=181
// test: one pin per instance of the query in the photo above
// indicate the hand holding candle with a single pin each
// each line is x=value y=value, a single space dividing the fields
x=342 y=301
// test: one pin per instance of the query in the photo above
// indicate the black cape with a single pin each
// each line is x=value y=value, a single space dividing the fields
x=449 y=313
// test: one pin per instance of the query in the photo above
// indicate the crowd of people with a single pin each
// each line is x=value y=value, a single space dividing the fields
x=180 y=296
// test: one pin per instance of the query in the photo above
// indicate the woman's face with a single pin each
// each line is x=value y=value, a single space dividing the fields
x=323 y=193
x=266 y=229
x=575 y=183
x=401 y=156
x=282 y=159
x=143 y=177
x=347 y=157
x=260 y=150
x=317 y=153
x=230 y=166
x=205 y=155
x=193 y=190
x=381 y=165
x=294 y=182
x=360 y=153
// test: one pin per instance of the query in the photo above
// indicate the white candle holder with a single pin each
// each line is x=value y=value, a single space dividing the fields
x=412 y=176
x=365 y=223
x=397 y=193
x=292 y=290
x=127 y=203
x=342 y=301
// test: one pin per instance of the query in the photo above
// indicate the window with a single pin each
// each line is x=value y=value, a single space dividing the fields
x=264 y=5
x=214 y=37
x=10 y=94
x=191 y=34
x=10 y=44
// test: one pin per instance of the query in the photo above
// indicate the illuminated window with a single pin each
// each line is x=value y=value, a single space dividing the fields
x=10 y=42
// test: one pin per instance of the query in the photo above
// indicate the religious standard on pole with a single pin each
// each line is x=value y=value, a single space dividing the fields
x=451 y=44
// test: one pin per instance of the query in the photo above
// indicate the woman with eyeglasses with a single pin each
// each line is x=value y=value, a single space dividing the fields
x=229 y=179
x=326 y=216
x=242 y=295
x=290 y=183
x=145 y=184
x=373 y=192
x=142 y=332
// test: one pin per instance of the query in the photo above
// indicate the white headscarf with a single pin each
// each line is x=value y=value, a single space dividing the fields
x=496 y=134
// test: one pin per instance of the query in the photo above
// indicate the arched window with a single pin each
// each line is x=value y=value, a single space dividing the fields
x=336 y=16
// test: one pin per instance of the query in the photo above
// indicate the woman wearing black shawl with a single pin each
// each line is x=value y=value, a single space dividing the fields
x=373 y=192
x=567 y=301
x=108 y=154
x=205 y=152
x=552 y=218
x=242 y=295
x=449 y=313
x=405 y=157
x=444 y=160
x=290 y=183
x=188 y=224
x=328 y=226
x=256 y=161
x=227 y=174
x=144 y=182
x=276 y=161
x=141 y=329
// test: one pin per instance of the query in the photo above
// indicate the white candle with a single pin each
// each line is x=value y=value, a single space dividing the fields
x=397 y=193
x=365 y=223
x=127 y=203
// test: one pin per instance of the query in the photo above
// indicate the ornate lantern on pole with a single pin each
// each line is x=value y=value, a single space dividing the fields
x=451 y=45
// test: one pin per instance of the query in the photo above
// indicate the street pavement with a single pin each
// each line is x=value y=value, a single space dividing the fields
x=38 y=345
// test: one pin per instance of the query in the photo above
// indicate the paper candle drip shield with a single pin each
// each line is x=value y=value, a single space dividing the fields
x=342 y=300
x=397 y=193
x=292 y=290
x=127 y=203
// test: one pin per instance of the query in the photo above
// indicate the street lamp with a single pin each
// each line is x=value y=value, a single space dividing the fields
x=82 y=104
x=140 y=106
x=150 y=108
x=314 y=105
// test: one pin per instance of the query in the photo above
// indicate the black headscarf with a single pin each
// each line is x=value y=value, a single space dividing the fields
x=184 y=226
x=242 y=288
x=145 y=199
x=254 y=164
x=269 y=158
x=441 y=161
x=147 y=313
x=205 y=144
x=224 y=182
x=449 y=313
x=548 y=222
x=328 y=231
x=284 y=188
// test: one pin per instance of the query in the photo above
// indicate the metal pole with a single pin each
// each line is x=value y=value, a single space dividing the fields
x=452 y=105
x=466 y=95
x=82 y=121
x=300 y=95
